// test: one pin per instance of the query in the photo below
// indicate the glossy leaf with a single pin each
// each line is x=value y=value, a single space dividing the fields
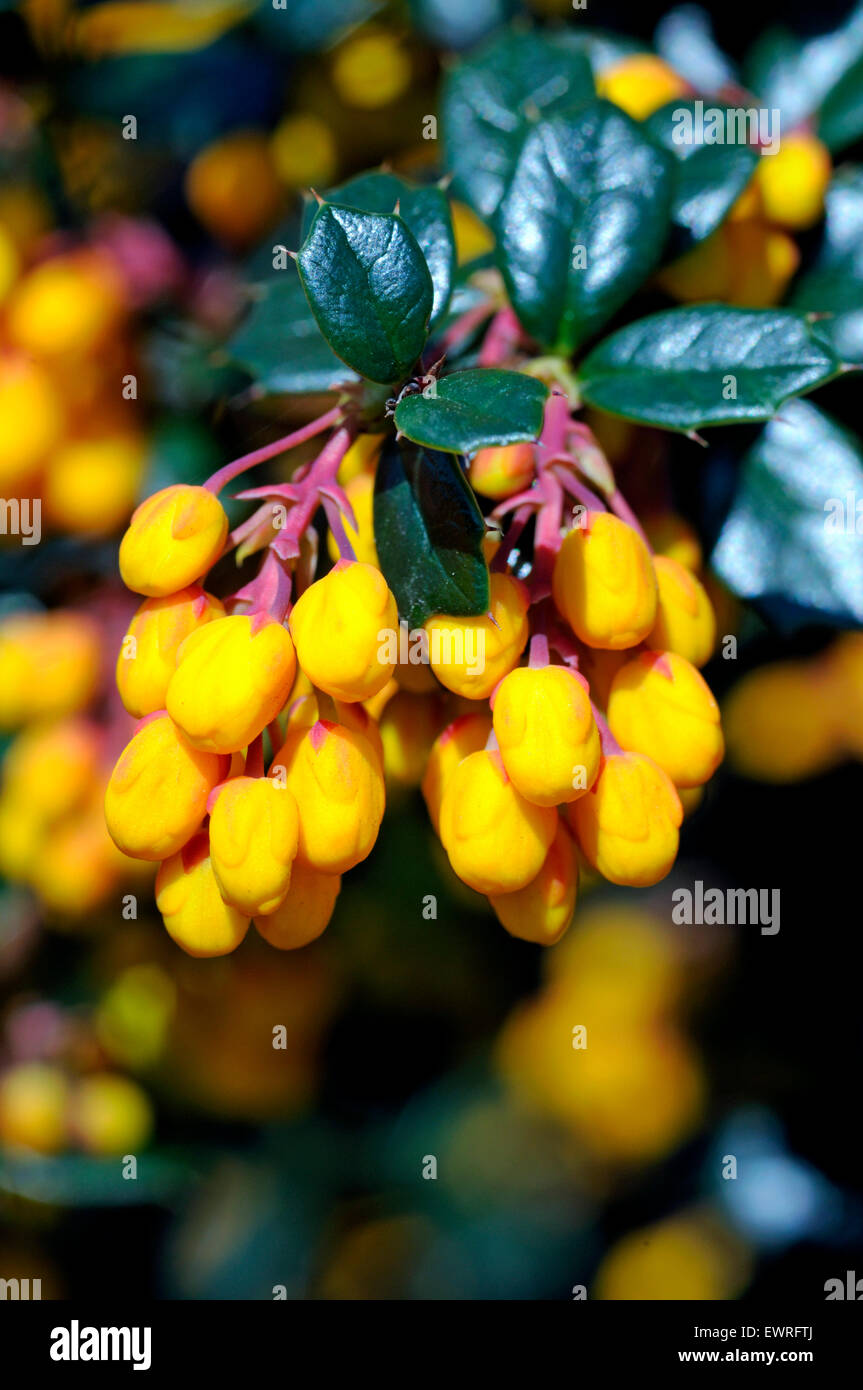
x=425 y=209
x=474 y=409
x=429 y=532
x=834 y=284
x=491 y=99
x=583 y=222
x=706 y=365
x=707 y=178
x=280 y=344
x=791 y=533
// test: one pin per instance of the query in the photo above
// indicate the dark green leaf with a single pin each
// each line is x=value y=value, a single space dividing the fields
x=834 y=285
x=280 y=343
x=429 y=532
x=583 y=222
x=706 y=365
x=454 y=25
x=840 y=121
x=425 y=210
x=304 y=26
x=707 y=178
x=684 y=38
x=791 y=533
x=474 y=409
x=490 y=99
x=369 y=288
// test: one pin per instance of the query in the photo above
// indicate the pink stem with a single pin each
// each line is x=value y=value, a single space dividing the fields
x=538 y=656
x=340 y=535
x=555 y=425
x=619 y=505
x=610 y=745
x=501 y=340
x=510 y=540
x=577 y=488
x=279 y=446
x=465 y=325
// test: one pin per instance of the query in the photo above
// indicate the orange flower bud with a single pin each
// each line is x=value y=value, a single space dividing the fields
x=640 y=83
x=305 y=912
x=779 y=724
x=467 y=734
x=408 y=728
x=470 y=655
x=111 y=1115
x=254 y=829
x=496 y=839
x=147 y=662
x=547 y=735
x=660 y=705
x=672 y=535
x=157 y=795
x=628 y=824
x=343 y=626
x=502 y=470
x=174 y=537
x=34 y=1103
x=685 y=621
x=603 y=583
x=195 y=914
x=542 y=910
x=794 y=179
x=52 y=767
x=335 y=776
x=233 y=676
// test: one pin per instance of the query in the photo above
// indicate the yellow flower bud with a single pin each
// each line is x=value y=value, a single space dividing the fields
x=793 y=181
x=361 y=458
x=254 y=830
x=233 y=676
x=111 y=1115
x=49 y=665
x=341 y=625
x=763 y=260
x=547 y=735
x=335 y=776
x=360 y=493
x=467 y=734
x=470 y=655
x=195 y=914
x=76 y=867
x=603 y=583
x=52 y=767
x=148 y=661
x=685 y=621
x=778 y=724
x=502 y=470
x=496 y=839
x=157 y=795
x=34 y=1103
x=840 y=674
x=305 y=912
x=640 y=84
x=67 y=305
x=599 y=669
x=660 y=705
x=628 y=824
x=672 y=535
x=705 y=272
x=22 y=834
x=91 y=484
x=408 y=728
x=174 y=537
x=542 y=910
x=31 y=421
x=355 y=716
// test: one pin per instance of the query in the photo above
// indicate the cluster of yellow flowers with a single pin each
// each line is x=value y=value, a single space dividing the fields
x=520 y=770
x=47 y=1109
x=68 y=434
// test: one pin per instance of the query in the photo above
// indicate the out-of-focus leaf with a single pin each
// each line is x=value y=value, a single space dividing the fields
x=834 y=284
x=707 y=179
x=426 y=211
x=798 y=78
x=779 y=540
x=706 y=365
x=491 y=99
x=147 y=26
x=369 y=288
x=473 y=410
x=185 y=371
x=684 y=38
x=840 y=121
x=583 y=222
x=280 y=343
x=78 y=1180
x=429 y=532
